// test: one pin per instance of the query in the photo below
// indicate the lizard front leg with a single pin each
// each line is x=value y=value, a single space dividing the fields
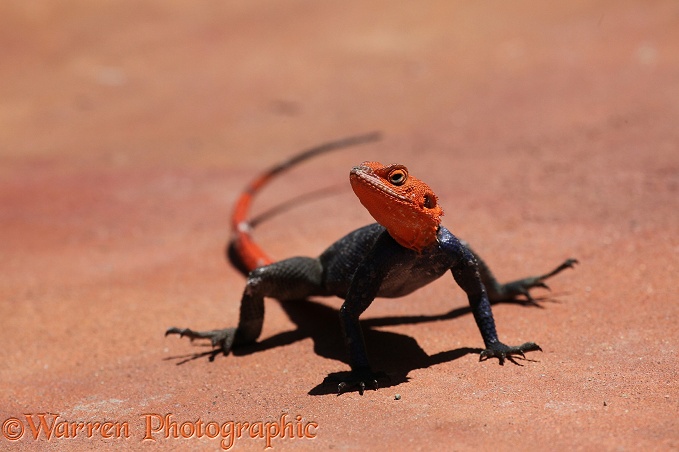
x=467 y=276
x=364 y=286
x=361 y=372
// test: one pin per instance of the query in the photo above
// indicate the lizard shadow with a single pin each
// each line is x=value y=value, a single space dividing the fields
x=393 y=353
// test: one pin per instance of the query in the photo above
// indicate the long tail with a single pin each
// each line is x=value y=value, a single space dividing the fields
x=243 y=252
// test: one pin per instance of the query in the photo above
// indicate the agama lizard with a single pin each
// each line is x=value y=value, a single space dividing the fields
x=405 y=250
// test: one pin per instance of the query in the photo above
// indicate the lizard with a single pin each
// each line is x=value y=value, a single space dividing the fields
x=406 y=249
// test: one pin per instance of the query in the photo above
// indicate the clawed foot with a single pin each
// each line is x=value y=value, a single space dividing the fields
x=502 y=352
x=219 y=338
x=523 y=286
x=360 y=379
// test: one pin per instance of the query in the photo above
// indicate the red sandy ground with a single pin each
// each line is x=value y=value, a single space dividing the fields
x=548 y=130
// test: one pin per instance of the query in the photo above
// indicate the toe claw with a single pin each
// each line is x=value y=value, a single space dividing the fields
x=360 y=379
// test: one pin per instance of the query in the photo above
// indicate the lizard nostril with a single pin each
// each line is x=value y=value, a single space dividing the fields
x=429 y=201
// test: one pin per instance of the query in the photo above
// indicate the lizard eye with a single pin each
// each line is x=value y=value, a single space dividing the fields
x=398 y=177
x=429 y=201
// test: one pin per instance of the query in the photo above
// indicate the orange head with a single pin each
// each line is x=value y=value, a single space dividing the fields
x=403 y=204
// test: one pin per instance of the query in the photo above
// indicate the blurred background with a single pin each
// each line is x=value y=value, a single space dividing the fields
x=547 y=129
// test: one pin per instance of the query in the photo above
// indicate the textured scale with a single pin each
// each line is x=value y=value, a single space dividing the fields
x=403 y=204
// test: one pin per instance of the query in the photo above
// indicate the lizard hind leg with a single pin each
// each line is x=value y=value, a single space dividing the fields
x=223 y=338
x=522 y=286
x=294 y=278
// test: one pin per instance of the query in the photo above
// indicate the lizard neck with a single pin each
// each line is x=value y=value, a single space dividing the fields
x=403 y=204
